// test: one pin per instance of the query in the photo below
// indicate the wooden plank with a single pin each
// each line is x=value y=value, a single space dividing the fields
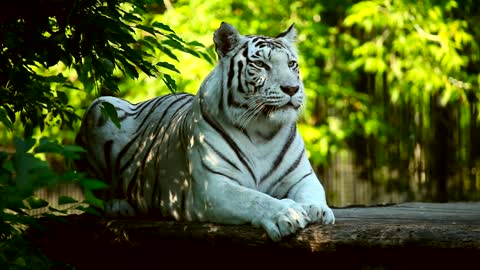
x=386 y=237
x=439 y=213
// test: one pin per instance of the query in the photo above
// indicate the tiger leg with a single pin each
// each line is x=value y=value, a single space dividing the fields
x=221 y=200
x=311 y=195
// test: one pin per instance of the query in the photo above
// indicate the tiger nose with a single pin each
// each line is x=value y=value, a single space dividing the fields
x=289 y=90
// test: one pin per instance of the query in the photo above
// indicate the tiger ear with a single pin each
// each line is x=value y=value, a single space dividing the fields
x=226 y=38
x=290 y=34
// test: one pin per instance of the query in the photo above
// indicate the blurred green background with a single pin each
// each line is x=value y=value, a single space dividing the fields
x=393 y=89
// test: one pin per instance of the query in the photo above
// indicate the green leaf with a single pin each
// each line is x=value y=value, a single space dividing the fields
x=107 y=65
x=63 y=97
x=89 y=210
x=92 y=200
x=66 y=200
x=35 y=202
x=174 y=44
x=146 y=28
x=72 y=151
x=73 y=148
x=10 y=112
x=169 y=82
x=168 y=52
x=168 y=66
x=162 y=26
x=20 y=262
x=47 y=146
x=128 y=68
x=131 y=17
x=93 y=184
x=110 y=112
x=196 y=44
x=5 y=119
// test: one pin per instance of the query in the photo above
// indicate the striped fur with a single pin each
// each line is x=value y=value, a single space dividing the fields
x=230 y=154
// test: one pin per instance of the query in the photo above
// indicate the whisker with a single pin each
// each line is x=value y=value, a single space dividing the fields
x=254 y=107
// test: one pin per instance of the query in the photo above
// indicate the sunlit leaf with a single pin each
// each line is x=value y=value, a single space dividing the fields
x=168 y=66
x=169 y=82
x=4 y=118
x=162 y=26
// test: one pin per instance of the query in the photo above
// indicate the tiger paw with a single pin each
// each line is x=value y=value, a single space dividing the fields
x=288 y=220
x=320 y=213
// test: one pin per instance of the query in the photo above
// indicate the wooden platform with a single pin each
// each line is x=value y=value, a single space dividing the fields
x=404 y=236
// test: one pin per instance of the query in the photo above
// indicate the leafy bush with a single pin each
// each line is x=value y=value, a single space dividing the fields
x=60 y=48
x=21 y=174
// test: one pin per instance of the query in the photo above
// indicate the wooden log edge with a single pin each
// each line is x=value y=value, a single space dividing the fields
x=89 y=242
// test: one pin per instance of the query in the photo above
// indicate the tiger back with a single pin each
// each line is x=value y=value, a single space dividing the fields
x=230 y=154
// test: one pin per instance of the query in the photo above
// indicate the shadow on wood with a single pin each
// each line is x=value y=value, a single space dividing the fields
x=412 y=235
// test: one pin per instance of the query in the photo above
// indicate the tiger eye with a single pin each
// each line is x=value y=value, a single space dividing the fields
x=292 y=64
x=261 y=64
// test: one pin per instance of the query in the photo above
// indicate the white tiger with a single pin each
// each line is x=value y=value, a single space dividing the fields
x=230 y=154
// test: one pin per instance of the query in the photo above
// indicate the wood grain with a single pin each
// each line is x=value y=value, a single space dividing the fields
x=445 y=235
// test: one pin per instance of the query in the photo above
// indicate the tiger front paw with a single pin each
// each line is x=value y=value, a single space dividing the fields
x=288 y=220
x=320 y=213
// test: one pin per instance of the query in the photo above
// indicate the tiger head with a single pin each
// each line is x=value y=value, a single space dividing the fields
x=261 y=82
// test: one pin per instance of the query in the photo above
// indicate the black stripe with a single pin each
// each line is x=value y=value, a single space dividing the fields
x=227 y=138
x=137 y=135
x=281 y=155
x=292 y=186
x=183 y=202
x=158 y=102
x=219 y=173
x=146 y=104
x=173 y=117
x=294 y=165
x=156 y=194
x=131 y=186
x=231 y=69
x=140 y=134
x=146 y=153
x=246 y=135
x=231 y=72
x=245 y=51
x=133 y=141
x=222 y=156
x=239 y=77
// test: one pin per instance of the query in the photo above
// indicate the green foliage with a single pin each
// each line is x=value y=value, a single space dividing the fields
x=90 y=38
x=53 y=62
x=21 y=174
